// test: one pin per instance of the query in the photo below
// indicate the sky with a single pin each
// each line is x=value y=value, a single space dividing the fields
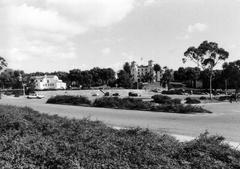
x=60 y=35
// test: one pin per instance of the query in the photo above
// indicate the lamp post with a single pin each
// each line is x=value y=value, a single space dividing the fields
x=21 y=80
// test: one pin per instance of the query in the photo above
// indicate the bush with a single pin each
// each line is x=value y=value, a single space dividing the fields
x=179 y=108
x=66 y=99
x=190 y=100
x=33 y=140
x=203 y=98
x=121 y=103
x=176 y=101
x=161 y=99
x=138 y=104
x=223 y=98
x=171 y=92
x=107 y=94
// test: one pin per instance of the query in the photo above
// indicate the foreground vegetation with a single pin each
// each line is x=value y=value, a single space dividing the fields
x=67 y=99
x=29 y=139
x=160 y=104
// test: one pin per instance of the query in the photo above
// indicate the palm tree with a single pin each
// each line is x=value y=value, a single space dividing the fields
x=157 y=68
x=3 y=64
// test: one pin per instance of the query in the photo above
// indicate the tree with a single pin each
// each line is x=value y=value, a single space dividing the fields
x=127 y=68
x=167 y=77
x=192 y=75
x=207 y=55
x=124 y=79
x=180 y=75
x=3 y=64
x=157 y=68
x=231 y=72
x=147 y=77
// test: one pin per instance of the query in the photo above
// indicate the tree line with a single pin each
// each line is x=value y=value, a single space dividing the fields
x=206 y=56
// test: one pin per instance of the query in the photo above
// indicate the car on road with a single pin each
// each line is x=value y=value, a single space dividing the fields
x=95 y=94
x=35 y=96
x=133 y=94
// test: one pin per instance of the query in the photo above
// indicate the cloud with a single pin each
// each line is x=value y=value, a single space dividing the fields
x=149 y=2
x=197 y=27
x=106 y=51
x=183 y=37
x=46 y=29
x=194 y=28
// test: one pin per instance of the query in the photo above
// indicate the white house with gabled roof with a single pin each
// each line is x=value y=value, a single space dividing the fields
x=48 y=82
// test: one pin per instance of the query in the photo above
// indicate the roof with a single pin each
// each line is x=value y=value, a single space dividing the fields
x=46 y=76
x=141 y=66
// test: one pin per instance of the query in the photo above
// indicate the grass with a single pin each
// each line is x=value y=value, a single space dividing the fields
x=29 y=139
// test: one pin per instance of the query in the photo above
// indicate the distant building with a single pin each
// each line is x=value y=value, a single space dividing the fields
x=139 y=71
x=48 y=82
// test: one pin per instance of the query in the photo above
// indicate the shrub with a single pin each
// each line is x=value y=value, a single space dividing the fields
x=176 y=101
x=161 y=99
x=138 y=104
x=190 y=100
x=8 y=93
x=33 y=140
x=223 y=98
x=121 y=103
x=179 y=108
x=66 y=99
x=171 y=92
x=203 y=98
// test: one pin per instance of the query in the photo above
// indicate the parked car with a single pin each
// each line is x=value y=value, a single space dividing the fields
x=95 y=94
x=156 y=90
x=115 y=94
x=133 y=94
x=35 y=96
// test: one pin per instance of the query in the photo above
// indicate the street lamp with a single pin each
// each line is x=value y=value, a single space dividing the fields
x=21 y=80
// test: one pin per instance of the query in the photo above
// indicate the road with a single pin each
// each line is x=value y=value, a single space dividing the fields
x=225 y=119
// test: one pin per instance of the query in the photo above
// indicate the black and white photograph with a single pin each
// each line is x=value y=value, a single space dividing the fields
x=119 y=84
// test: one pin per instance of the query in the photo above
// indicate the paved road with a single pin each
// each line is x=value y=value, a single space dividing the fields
x=224 y=121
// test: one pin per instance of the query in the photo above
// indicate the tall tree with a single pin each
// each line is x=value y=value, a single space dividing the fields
x=3 y=63
x=157 y=68
x=192 y=75
x=127 y=68
x=207 y=55
x=180 y=75
x=124 y=79
x=231 y=72
x=167 y=77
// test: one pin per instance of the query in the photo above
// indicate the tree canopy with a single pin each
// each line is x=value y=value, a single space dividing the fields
x=207 y=55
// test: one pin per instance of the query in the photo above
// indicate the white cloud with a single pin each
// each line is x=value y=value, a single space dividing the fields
x=197 y=27
x=106 y=51
x=45 y=29
x=184 y=37
x=149 y=2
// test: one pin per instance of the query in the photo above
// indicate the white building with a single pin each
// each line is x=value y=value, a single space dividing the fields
x=48 y=82
x=139 y=71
